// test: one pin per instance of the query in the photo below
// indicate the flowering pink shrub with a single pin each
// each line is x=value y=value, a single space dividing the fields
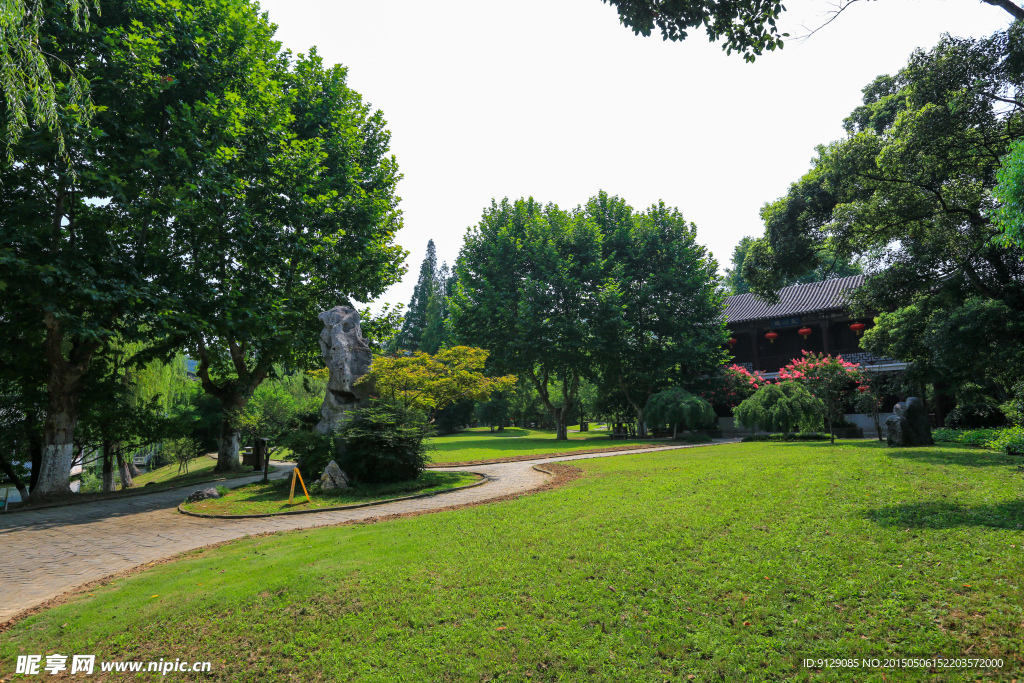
x=731 y=387
x=829 y=378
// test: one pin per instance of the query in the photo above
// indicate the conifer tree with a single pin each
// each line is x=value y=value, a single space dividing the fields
x=416 y=313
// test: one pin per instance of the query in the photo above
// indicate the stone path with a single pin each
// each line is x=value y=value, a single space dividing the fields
x=50 y=551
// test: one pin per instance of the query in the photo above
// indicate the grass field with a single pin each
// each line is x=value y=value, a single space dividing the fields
x=200 y=469
x=731 y=563
x=482 y=444
x=260 y=498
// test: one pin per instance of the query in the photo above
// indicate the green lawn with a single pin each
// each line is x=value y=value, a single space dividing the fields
x=482 y=444
x=731 y=563
x=200 y=469
x=260 y=498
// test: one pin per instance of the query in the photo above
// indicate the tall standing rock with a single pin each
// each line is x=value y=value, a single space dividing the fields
x=908 y=425
x=348 y=358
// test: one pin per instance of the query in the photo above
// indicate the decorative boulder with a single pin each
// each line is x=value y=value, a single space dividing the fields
x=333 y=479
x=347 y=357
x=204 y=494
x=908 y=425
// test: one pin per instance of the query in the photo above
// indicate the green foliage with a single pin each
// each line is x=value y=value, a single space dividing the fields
x=781 y=408
x=313 y=451
x=562 y=298
x=182 y=451
x=677 y=406
x=908 y=192
x=493 y=413
x=36 y=85
x=280 y=405
x=415 y=321
x=828 y=266
x=744 y=26
x=383 y=442
x=1014 y=408
x=787 y=437
x=454 y=417
x=1009 y=217
x=975 y=416
x=971 y=437
x=1010 y=441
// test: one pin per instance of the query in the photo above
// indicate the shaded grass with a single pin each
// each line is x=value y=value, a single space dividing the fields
x=482 y=444
x=200 y=469
x=260 y=498
x=724 y=564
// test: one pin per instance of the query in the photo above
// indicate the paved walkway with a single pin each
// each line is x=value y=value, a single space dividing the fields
x=54 y=550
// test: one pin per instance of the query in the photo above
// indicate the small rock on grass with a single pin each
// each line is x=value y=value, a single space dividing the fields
x=203 y=494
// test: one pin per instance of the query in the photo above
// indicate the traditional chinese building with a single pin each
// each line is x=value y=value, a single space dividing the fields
x=811 y=317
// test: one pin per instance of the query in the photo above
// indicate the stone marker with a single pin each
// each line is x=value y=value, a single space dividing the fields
x=347 y=356
x=197 y=496
x=333 y=478
x=908 y=425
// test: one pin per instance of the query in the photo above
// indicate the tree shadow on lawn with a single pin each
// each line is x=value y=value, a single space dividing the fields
x=509 y=431
x=941 y=515
x=942 y=454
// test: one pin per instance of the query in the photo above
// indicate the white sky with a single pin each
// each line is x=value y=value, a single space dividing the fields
x=556 y=99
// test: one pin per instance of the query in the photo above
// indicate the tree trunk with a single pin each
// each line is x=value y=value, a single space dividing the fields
x=13 y=476
x=132 y=469
x=831 y=431
x=675 y=430
x=126 y=475
x=561 y=432
x=109 y=485
x=58 y=448
x=227 y=453
x=63 y=385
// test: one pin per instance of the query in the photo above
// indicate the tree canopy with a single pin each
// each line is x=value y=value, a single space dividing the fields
x=747 y=27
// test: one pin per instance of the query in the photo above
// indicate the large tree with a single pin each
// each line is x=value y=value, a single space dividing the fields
x=415 y=321
x=84 y=233
x=909 y=191
x=532 y=289
x=828 y=267
x=665 y=325
x=297 y=216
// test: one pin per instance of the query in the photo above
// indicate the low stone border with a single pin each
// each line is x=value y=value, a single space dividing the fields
x=483 y=480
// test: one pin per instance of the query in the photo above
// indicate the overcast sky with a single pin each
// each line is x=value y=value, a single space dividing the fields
x=556 y=99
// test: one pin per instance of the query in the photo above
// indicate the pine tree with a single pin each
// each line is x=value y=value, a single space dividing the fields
x=416 y=313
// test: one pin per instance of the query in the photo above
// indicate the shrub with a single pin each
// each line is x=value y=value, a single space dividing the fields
x=1010 y=441
x=693 y=438
x=788 y=437
x=975 y=416
x=780 y=408
x=312 y=451
x=1014 y=408
x=383 y=443
x=676 y=406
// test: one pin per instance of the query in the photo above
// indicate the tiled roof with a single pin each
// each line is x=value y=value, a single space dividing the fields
x=793 y=300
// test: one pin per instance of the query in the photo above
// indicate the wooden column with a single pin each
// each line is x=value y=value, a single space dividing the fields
x=825 y=341
x=756 y=357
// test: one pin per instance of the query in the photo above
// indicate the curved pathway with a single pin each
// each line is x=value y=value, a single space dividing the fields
x=53 y=550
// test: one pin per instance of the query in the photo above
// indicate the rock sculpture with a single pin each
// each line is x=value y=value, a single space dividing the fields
x=908 y=425
x=333 y=478
x=348 y=358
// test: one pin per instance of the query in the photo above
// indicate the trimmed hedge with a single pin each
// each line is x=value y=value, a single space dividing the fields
x=788 y=437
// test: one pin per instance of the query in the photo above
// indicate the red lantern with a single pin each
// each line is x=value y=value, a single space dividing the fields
x=772 y=336
x=732 y=342
x=805 y=332
x=858 y=328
